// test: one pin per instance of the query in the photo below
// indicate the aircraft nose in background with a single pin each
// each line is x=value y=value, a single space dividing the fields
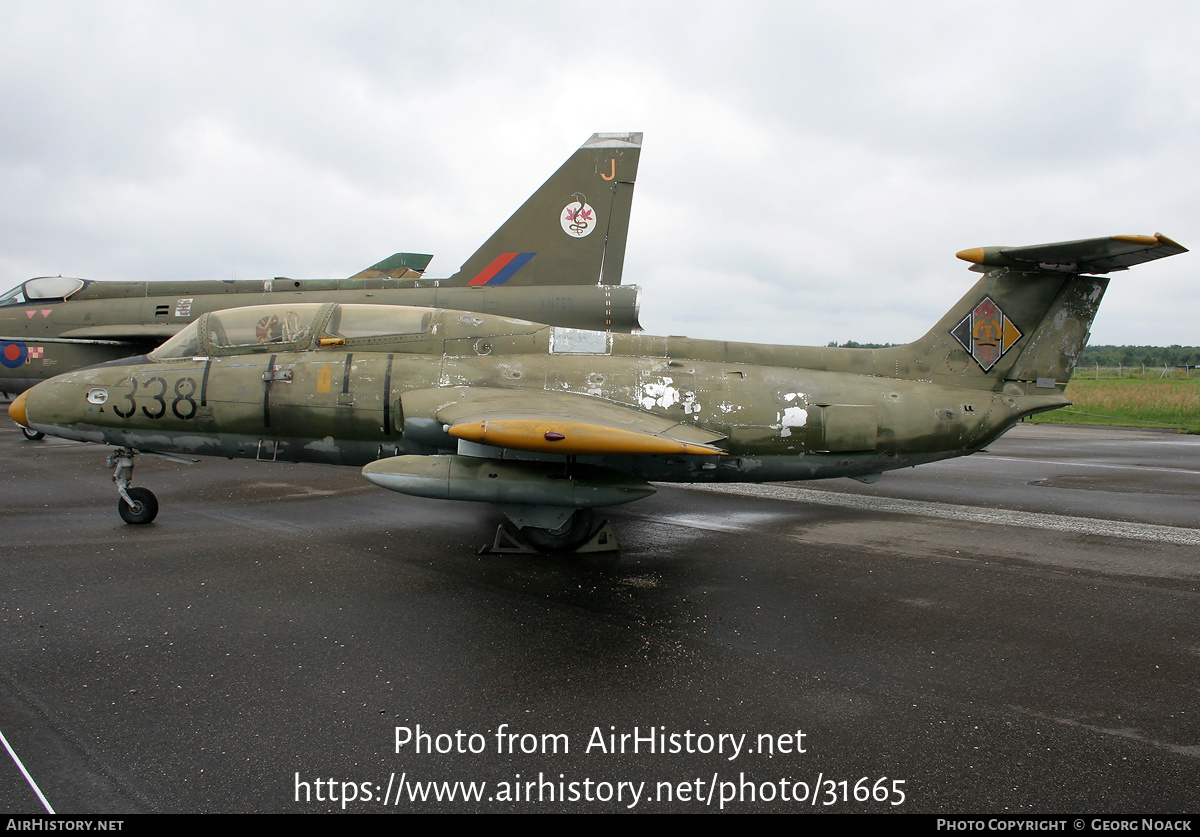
x=16 y=410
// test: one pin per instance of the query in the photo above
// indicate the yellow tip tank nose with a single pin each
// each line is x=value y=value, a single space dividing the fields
x=16 y=410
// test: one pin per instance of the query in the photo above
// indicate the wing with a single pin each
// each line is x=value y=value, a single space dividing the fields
x=556 y=422
x=1090 y=255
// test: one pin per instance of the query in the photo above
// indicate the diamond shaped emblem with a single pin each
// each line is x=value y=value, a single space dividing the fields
x=986 y=333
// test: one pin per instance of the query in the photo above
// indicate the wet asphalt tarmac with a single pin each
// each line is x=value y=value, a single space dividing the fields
x=1015 y=632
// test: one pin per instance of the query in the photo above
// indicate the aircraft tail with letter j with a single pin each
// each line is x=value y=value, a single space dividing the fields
x=571 y=231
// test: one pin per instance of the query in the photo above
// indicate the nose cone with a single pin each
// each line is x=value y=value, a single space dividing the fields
x=16 y=410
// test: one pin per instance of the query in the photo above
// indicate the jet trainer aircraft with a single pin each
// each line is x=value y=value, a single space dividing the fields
x=549 y=423
x=558 y=260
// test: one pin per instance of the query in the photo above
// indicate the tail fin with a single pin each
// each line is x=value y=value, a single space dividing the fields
x=1027 y=321
x=571 y=231
x=397 y=266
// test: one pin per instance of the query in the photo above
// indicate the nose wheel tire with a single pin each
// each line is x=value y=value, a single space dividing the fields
x=32 y=435
x=144 y=508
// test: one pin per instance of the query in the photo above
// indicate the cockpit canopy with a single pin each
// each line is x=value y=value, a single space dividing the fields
x=265 y=328
x=42 y=289
x=290 y=327
x=352 y=321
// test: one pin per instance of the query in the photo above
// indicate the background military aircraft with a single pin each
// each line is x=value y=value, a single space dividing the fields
x=557 y=260
x=549 y=423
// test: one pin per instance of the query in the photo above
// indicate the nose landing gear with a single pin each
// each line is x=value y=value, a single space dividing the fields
x=137 y=505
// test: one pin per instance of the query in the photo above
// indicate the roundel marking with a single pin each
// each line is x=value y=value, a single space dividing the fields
x=13 y=354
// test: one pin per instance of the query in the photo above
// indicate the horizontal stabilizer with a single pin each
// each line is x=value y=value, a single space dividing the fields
x=1090 y=255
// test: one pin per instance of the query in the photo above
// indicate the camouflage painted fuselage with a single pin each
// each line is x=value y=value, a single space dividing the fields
x=774 y=416
x=548 y=422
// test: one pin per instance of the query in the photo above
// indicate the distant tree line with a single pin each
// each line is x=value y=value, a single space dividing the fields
x=1139 y=355
x=851 y=344
x=1103 y=355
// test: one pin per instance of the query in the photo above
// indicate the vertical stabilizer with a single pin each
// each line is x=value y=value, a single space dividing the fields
x=571 y=231
x=1027 y=320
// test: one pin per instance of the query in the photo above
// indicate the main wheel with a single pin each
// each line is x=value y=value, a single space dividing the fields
x=144 y=508
x=32 y=435
x=571 y=535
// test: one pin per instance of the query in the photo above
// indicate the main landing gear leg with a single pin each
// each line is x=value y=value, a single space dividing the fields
x=137 y=505
x=542 y=529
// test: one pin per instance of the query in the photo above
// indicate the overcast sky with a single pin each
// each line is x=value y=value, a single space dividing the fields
x=808 y=170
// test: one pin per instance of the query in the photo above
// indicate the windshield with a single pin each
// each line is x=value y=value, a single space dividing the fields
x=184 y=344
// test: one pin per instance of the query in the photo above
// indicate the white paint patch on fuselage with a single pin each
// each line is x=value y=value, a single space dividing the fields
x=325 y=445
x=659 y=393
x=791 y=416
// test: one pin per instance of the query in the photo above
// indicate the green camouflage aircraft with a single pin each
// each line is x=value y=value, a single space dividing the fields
x=549 y=422
x=557 y=260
